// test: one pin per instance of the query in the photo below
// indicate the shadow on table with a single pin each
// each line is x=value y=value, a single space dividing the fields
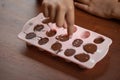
x=65 y=67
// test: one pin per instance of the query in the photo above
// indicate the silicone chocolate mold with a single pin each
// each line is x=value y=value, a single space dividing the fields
x=84 y=48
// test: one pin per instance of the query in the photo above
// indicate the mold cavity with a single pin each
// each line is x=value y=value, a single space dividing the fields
x=82 y=57
x=51 y=33
x=90 y=48
x=38 y=27
x=77 y=42
x=30 y=24
x=30 y=35
x=85 y=34
x=99 y=40
x=43 y=41
x=56 y=46
x=75 y=29
x=69 y=52
x=46 y=21
x=62 y=37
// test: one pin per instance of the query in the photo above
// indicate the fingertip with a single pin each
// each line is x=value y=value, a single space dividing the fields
x=65 y=25
x=70 y=30
x=59 y=24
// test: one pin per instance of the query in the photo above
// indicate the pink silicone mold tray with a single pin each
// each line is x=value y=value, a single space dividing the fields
x=85 y=48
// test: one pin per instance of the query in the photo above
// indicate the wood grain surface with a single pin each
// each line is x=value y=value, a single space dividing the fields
x=18 y=62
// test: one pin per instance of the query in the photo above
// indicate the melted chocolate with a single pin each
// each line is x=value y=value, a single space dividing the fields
x=69 y=52
x=98 y=40
x=62 y=38
x=90 y=48
x=56 y=46
x=30 y=35
x=77 y=42
x=38 y=27
x=82 y=57
x=51 y=33
x=46 y=21
x=43 y=41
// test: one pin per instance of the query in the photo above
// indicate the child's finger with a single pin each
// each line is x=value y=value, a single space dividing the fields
x=45 y=10
x=52 y=13
x=60 y=17
x=65 y=24
x=70 y=21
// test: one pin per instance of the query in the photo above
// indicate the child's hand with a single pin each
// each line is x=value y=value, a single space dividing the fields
x=61 y=12
x=100 y=8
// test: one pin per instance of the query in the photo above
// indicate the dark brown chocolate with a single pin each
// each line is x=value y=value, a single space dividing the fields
x=99 y=40
x=56 y=46
x=82 y=57
x=30 y=35
x=69 y=52
x=46 y=21
x=51 y=33
x=85 y=34
x=62 y=37
x=38 y=27
x=90 y=48
x=77 y=42
x=43 y=41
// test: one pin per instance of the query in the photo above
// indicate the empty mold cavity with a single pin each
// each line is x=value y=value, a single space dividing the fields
x=75 y=29
x=30 y=24
x=85 y=34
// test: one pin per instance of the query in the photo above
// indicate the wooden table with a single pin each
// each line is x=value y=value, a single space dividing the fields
x=17 y=62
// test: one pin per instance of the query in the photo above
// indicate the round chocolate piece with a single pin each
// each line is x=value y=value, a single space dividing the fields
x=46 y=21
x=82 y=57
x=85 y=34
x=77 y=42
x=69 y=52
x=51 y=33
x=30 y=35
x=56 y=46
x=99 y=40
x=38 y=27
x=90 y=48
x=43 y=41
x=62 y=37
